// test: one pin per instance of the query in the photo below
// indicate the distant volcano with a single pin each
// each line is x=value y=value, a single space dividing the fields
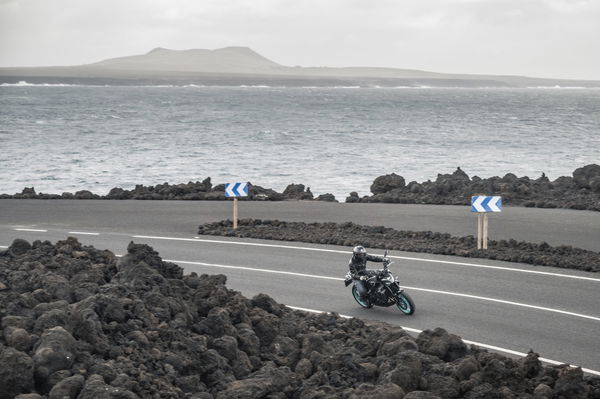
x=224 y=60
x=243 y=66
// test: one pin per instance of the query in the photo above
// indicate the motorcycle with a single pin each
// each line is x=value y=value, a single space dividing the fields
x=383 y=290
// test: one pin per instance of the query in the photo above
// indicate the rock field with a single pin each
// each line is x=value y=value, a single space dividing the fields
x=350 y=234
x=581 y=191
x=77 y=322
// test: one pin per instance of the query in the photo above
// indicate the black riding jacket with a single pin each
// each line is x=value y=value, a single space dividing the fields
x=358 y=267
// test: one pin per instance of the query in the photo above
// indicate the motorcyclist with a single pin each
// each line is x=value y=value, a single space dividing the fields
x=358 y=268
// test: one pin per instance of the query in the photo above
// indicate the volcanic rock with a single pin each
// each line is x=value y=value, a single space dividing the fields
x=353 y=197
x=93 y=327
x=438 y=342
x=351 y=234
x=67 y=388
x=297 y=191
x=386 y=183
x=326 y=197
x=583 y=176
x=582 y=191
x=16 y=373
x=19 y=247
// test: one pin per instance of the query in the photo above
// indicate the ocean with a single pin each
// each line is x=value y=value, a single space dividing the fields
x=336 y=140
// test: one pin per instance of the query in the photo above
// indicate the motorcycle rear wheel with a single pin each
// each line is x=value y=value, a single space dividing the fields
x=405 y=304
x=366 y=303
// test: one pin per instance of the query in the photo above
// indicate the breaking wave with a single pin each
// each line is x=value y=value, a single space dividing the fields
x=23 y=83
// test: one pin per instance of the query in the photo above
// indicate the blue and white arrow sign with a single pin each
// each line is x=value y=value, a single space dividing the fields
x=236 y=189
x=483 y=203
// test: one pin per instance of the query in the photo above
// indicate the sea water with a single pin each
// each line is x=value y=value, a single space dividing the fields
x=336 y=140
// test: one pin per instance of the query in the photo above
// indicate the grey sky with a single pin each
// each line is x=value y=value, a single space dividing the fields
x=546 y=38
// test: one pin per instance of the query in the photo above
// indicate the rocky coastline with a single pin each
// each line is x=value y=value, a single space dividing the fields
x=350 y=234
x=79 y=323
x=191 y=191
x=581 y=191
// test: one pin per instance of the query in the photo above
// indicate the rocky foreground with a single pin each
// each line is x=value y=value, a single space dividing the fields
x=350 y=234
x=79 y=323
x=581 y=191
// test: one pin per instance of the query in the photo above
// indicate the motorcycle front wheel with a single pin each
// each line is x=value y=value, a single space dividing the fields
x=405 y=304
x=364 y=303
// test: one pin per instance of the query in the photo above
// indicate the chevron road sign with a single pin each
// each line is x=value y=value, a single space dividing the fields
x=236 y=189
x=483 y=203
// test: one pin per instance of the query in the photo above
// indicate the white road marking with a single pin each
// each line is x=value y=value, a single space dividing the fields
x=412 y=288
x=391 y=256
x=3 y=246
x=483 y=298
x=37 y=230
x=84 y=233
x=492 y=347
x=254 y=269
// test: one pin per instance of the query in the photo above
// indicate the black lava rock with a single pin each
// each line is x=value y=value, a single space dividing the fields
x=139 y=328
x=582 y=191
x=350 y=234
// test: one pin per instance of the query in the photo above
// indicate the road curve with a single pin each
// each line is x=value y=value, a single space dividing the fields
x=511 y=306
x=496 y=303
x=555 y=226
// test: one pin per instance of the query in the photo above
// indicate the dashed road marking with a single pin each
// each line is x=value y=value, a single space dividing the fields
x=84 y=233
x=36 y=230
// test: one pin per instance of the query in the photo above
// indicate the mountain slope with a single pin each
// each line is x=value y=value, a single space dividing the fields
x=243 y=66
x=225 y=60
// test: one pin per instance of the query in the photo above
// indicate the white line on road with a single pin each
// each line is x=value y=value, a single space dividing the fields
x=393 y=257
x=255 y=269
x=3 y=246
x=84 y=233
x=37 y=230
x=492 y=347
x=412 y=288
x=483 y=298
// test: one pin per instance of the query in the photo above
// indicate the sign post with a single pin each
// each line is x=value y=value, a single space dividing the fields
x=235 y=213
x=483 y=205
x=235 y=190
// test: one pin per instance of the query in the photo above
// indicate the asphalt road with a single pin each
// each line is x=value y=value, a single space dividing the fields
x=555 y=226
x=511 y=306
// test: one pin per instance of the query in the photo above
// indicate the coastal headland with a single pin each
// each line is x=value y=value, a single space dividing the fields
x=234 y=66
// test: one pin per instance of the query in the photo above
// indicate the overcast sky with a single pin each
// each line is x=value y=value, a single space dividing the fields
x=545 y=38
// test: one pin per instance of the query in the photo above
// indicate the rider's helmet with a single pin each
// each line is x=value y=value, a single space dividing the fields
x=359 y=252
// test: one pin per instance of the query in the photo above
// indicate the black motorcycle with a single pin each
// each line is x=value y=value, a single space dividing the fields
x=383 y=290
